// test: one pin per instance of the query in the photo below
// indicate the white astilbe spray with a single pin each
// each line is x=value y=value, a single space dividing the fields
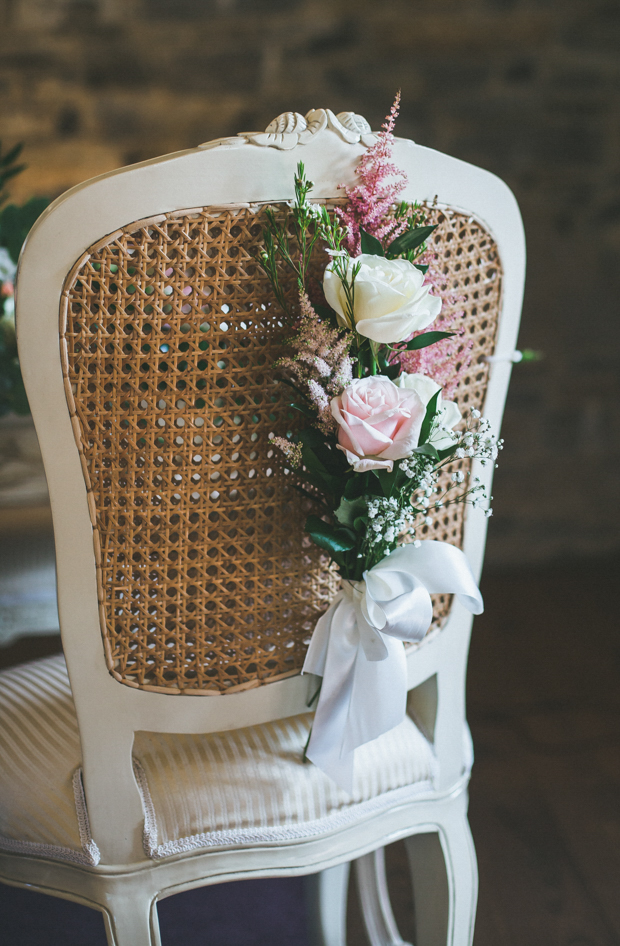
x=321 y=366
x=292 y=451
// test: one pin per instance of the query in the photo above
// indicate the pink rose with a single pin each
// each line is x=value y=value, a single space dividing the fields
x=378 y=422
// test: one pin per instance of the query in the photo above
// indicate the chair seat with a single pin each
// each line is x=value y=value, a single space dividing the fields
x=248 y=786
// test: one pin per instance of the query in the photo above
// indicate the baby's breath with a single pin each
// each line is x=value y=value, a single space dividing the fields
x=394 y=520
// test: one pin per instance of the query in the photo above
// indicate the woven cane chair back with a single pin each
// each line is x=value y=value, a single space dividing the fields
x=206 y=581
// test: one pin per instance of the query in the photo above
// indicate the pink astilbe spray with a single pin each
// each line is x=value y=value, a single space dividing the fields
x=321 y=365
x=371 y=201
x=446 y=362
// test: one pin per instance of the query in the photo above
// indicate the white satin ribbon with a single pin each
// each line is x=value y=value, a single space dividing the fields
x=357 y=647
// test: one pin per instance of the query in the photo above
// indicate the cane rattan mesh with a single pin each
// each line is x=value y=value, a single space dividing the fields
x=206 y=581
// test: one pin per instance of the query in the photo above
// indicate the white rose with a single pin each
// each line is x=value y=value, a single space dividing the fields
x=425 y=388
x=390 y=300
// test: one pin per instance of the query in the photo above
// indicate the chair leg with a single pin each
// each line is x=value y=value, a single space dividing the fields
x=462 y=870
x=326 y=899
x=375 y=900
x=445 y=883
x=132 y=922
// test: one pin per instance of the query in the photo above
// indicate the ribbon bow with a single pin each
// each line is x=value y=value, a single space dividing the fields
x=357 y=648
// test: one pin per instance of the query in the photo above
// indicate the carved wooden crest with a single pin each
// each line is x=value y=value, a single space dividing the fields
x=291 y=129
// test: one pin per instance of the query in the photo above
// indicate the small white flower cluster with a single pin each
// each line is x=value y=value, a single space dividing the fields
x=391 y=518
x=478 y=441
x=315 y=211
x=420 y=468
x=387 y=520
x=480 y=498
x=439 y=431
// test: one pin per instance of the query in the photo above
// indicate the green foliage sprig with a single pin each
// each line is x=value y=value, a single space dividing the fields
x=15 y=223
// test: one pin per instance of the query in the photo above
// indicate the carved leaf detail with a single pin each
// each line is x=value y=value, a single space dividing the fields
x=286 y=124
x=317 y=120
x=353 y=122
x=291 y=129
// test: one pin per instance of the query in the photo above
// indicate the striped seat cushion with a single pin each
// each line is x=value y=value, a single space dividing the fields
x=42 y=807
x=242 y=787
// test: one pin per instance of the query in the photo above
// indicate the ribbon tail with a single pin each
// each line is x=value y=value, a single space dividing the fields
x=357 y=647
x=316 y=655
x=329 y=729
x=378 y=700
x=359 y=701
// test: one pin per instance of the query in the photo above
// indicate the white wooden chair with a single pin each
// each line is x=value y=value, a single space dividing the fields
x=128 y=347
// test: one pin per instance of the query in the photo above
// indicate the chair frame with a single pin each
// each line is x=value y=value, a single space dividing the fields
x=126 y=885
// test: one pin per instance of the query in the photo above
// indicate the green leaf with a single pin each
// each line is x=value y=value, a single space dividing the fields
x=311 y=437
x=370 y=244
x=15 y=223
x=318 y=474
x=303 y=409
x=360 y=484
x=431 y=410
x=286 y=381
x=423 y=267
x=304 y=492
x=392 y=372
x=324 y=311
x=387 y=479
x=8 y=168
x=318 y=480
x=427 y=450
x=312 y=462
x=349 y=510
x=11 y=156
x=329 y=538
x=409 y=240
x=448 y=452
x=332 y=460
x=428 y=338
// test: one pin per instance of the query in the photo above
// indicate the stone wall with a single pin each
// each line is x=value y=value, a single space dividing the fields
x=527 y=88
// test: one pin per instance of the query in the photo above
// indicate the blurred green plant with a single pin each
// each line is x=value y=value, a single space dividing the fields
x=15 y=223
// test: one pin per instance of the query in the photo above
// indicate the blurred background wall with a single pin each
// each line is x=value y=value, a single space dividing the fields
x=529 y=89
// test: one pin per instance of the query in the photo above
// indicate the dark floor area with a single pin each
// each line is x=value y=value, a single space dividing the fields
x=544 y=708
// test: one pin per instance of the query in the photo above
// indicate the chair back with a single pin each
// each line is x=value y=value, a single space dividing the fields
x=169 y=336
x=147 y=338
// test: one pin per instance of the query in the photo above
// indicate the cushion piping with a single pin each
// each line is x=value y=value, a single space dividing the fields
x=89 y=856
x=243 y=836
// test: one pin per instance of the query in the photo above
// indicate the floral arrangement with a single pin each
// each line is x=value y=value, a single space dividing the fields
x=378 y=434
x=372 y=364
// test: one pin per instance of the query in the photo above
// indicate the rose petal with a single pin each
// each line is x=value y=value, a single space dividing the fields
x=377 y=300
x=364 y=464
x=395 y=327
x=332 y=287
x=424 y=386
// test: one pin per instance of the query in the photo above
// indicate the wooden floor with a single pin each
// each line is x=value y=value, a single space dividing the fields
x=544 y=708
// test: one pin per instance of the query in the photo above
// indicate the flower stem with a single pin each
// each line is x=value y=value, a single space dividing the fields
x=304 y=757
x=373 y=357
x=312 y=699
